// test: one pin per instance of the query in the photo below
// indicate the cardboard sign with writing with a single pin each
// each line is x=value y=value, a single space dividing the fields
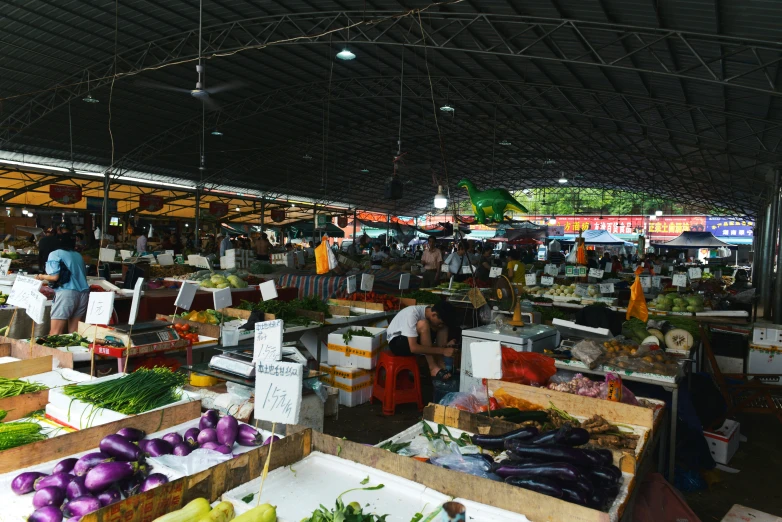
x=278 y=391
x=165 y=259
x=367 y=282
x=486 y=359
x=657 y=281
x=582 y=290
x=22 y=291
x=100 y=308
x=596 y=272
x=268 y=290
x=136 y=299
x=184 y=298
x=107 y=254
x=694 y=273
x=222 y=298
x=5 y=264
x=351 y=284
x=467 y=270
x=444 y=267
x=646 y=282
x=530 y=279
x=658 y=269
x=551 y=270
x=606 y=288
x=547 y=281
x=679 y=279
x=404 y=281
x=268 y=341
x=495 y=272
x=36 y=306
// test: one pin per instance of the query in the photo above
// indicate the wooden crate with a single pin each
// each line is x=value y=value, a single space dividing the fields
x=20 y=349
x=245 y=314
x=209 y=330
x=22 y=405
x=25 y=368
x=83 y=440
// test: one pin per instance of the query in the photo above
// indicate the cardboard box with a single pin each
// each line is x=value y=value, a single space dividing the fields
x=739 y=513
x=767 y=334
x=354 y=385
x=724 y=441
x=359 y=351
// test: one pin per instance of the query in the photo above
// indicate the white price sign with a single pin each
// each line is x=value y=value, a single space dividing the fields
x=36 y=306
x=268 y=290
x=165 y=259
x=551 y=270
x=184 y=298
x=547 y=281
x=596 y=272
x=646 y=282
x=100 y=308
x=707 y=270
x=679 y=279
x=494 y=272
x=486 y=360
x=657 y=282
x=444 y=267
x=367 y=281
x=222 y=298
x=658 y=269
x=5 y=264
x=278 y=391
x=352 y=284
x=467 y=270
x=107 y=254
x=694 y=273
x=606 y=288
x=404 y=281
x=22 y=291
x=582 y=290
x=530 y=279
x=268 y=341
x=136 y=299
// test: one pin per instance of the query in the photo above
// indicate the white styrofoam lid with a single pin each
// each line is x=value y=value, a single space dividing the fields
x=570 y=329
x=510 y=334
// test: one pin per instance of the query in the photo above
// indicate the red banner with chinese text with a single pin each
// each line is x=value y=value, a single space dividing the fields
x=150 y=203
x=65 y=194
x=218 y=209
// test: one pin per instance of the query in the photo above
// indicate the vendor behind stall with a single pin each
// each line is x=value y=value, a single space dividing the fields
x=432 y=259
x=423 y=330
x=377 y=257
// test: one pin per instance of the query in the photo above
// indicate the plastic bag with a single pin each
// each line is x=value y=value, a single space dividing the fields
x=474 y=464
x=637 y=305
x=197 y=461
x=526 y=367
x=613 y=387
x=469 y=402
x=507 y=400
x=588 y=351
x=571 y=257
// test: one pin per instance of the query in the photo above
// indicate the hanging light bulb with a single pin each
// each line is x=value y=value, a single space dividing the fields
x=90 y=99
x=217 y=132
x=447 y=108
x=345 y=54
x=440 y=201
x=238 y=209
x=562 y=179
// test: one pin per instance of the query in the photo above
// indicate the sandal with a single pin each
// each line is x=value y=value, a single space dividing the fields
x=441 y=375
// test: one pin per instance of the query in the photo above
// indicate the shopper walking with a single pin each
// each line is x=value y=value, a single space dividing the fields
x=432 y=259
x=65 y=271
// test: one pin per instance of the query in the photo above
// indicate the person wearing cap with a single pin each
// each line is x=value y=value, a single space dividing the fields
x=48 y=244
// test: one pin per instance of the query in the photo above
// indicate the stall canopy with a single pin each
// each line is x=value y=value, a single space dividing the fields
x=695 y=240
x=304 y=229
x=599 y=237
x=522 y=230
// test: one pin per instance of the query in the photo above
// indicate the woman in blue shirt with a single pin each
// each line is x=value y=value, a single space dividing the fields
x=70 y=299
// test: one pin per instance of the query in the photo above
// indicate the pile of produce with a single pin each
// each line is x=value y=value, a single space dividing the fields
x=13 y=434
x=261 y=267
x=229 y=278
x=286 y=310
x=63 y=340
x=207 y=317
x=674 y=332
x=565 y=290
x=579 y=385
x=350 y=333
x=174 y=270
x=185 y=332
x=455 y=287
x=10 y=255
x=15 y=387
x=78 y=486
x=601 y=432
x=143 y=390
x=549 y=313
x=352 y=512
x=389 y=302
x=3 y=298
x=674 y=302
x=423 y=297
x=97 y=288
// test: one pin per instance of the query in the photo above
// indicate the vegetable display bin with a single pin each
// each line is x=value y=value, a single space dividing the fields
x=359 y=351
x=354 y=385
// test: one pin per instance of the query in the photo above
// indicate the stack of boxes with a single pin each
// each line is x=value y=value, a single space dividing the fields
x=351 y=364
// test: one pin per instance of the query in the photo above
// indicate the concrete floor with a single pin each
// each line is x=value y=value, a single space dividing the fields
x=756 y=485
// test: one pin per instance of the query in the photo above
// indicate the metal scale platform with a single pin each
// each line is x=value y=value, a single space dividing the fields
x=151 y=332
x=238 y=360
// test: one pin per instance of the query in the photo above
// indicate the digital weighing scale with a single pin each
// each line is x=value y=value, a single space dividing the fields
x=152 y=332
x=239 y=360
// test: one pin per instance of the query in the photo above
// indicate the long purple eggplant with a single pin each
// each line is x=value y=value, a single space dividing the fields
x=46 y=514
x=120 y=448
x=209 y=419
x=248 y=436
x=104 y=475
x=58 y=480
x=89 y=461
x=221 y=448
x=574 y=496
x=182 y=450
x=50 y=496
x=25 y=482
x=270 y=439
x=76 y=488
x=227 y=430
x=191 y=437
x=158 y=447
x=207 y=435
x=558 y=471
x=65 y=465
x=498 y=441
x=153 y=481
x=81 y=506
x=552 y=454
x=173 y=438
x=110 y=496
x=132 y=434
x=604 y=476
x=540 y=485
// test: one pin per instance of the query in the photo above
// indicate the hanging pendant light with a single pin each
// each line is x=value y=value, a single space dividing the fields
x=346 y=54
x=440 y=201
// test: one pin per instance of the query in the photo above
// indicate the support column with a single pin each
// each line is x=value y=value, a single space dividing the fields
x=263 y=215
x=104 y=226
x=197 y=218
x=355 y=215
x=776 y=300
x=388 y=227
x=314 y=222
x=769 y=246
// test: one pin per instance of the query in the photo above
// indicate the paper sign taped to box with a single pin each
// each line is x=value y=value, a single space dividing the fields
x=486 y=359
x=278 y=391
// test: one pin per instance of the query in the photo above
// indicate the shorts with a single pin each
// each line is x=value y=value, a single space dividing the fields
x=262 y=257
x=400 y=345
x=70 y=304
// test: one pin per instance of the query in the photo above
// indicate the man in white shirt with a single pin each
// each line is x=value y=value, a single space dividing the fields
x=377 y=257
x=457 y=259
x=423 y=330
x=141 y=242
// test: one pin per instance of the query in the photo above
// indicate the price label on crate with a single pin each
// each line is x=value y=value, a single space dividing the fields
x=352 y=284
x=551 y=270
x=657 y=282
x=100 y=308
x=268 y=341
x=547 y=281
x=606 y=288
x=5 y=264
x=494 y=272
x=278 y=391
x=530 y=279
x=694 y=273
x=679 y=279
x=22 y=291
x=646 y=282
x=596 y=272
x=36 y=306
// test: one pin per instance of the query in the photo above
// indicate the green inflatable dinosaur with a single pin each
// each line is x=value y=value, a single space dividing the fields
x=493 y=202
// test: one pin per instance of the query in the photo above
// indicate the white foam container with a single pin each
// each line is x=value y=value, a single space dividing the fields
x=57 y=378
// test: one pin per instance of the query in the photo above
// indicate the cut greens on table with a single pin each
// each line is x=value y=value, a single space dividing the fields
x=15 y=387
x=342 y=512
x=351 y=333
x=63 y=340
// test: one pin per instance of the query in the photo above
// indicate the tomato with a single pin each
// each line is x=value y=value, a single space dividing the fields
x=493 y=404
x=185 y=327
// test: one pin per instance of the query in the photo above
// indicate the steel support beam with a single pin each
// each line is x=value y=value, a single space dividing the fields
x=777 y=240
x=769 y=240
x=197 y=218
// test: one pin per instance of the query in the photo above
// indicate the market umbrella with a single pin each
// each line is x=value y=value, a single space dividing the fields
x=695 y=240
x=599 y=237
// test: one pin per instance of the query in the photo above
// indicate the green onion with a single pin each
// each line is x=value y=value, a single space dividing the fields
x=14 y=387
x=140 y=391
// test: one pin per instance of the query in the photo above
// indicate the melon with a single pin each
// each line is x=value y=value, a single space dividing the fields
x=679 y=339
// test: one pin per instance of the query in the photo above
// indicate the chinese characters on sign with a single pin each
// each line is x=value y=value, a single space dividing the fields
x=100 y=308
x=730 y=227
x=278 y=391
x=268 y=341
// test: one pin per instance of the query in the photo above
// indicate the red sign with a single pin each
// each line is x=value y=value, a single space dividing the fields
x=65 y=194
x=278 y=215
x=342 y=221
x=150 y=203
x=218 y=209
x=660 y=226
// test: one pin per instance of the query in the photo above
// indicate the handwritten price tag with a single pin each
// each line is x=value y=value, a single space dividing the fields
x=694 y=273
x=679 y=279
x=36 y=307
x=646 y=282
x=530 y=279
x=5 y=264
x=467 y=270
x=100 y=308
x=352 y=284
x=367 y=281
x=494 y=272
x=547 y=281
x=596 y=272
x=23 y=289
x=278 y=391
x=268 y=341
x=606 y=288
x=444 y=267
x=582 y=290
x=657 y=281
x=551 y=270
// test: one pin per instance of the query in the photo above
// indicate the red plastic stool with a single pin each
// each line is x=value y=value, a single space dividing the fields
x=387 y=390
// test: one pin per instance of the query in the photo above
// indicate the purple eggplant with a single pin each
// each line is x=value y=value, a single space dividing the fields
x=558 y=471
x=81 y=506
x=58 y=480
x=209 y=419
x=604 y=476
x=554 y=453
x=73 y=519
x=25 y=482
x=574 y=496
x=207 y=435
x=227 y=429
x=158 y=447
x=50 y=496
x=248 y=436
x=191 y=437
x=129 y=487
x=270 y=439
x=132 y=434
x=89 y=461
x=546 y=486
x=120 y=448
x=65 y=465
x=107 y=473
x=153 y=481
x=182 y=450
x=76 y=488
x=498 y=441
x=173 y=438
x=46 y=514
x=222 y=448
x=109 y=496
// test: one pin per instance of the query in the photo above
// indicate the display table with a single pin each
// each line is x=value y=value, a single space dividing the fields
x=327 y=286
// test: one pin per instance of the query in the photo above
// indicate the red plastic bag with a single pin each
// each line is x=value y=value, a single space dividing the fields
x=526 y=367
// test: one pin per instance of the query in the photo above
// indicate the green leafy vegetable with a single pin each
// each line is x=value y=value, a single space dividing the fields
x=352 y=512
x=248 y=498
x=15 y=387
x=350 y=333
x=365 y=481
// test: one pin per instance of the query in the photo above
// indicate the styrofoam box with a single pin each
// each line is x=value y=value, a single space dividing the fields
x=724 y=442
x=767 y=334
x=350 y=359
x=399 y=498
x=58 y=378
x=764 y=361
x=354 y=385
